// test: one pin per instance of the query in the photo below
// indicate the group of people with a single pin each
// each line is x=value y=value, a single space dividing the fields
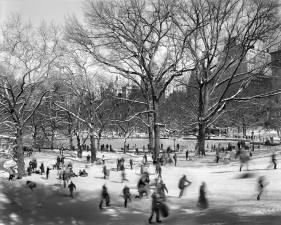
x=106 y=148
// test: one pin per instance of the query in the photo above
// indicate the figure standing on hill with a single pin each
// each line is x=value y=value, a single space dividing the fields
x=11 y=173
x=186 y=155
x=217 y=156
x=155 y=208
x=123 y=176
x=175 y=158
x=273 y=160
x=104 y=195
x=42 y=168
x=244 y=159
x=105 y=172
x=160 y=172
x=47 y=172
x=202 y=202
x=182 y=185
x=161 y=190
x=127 y=195
x=88 y=159
x=131 y=163
x=261 y=186
x=71 y=187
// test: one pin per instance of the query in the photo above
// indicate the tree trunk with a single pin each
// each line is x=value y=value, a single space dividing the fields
x=70 y=142
x=79 y=149
x=278 y=132
x=70 y=138
x=98 y=141
x=203 y=111
x=52 y=141
x=156 y=129
x=201 y=138
x=34 y=136
x=20 y=154
x=93 y=147
x=244 y=130
x=150 y=133
x=125 y=141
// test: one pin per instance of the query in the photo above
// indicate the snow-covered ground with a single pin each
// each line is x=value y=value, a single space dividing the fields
x=232 y=198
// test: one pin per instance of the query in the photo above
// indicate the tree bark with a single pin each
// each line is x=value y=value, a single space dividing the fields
x=98 y=141
x=201 y=138
x=156 y=128
x=70 y=138
x=52 y=141
x=79 y=149
x=20 y=154
x=35 y=139
x=203 y=110
x=93 y=147
x=125 y=141
x=150 y=133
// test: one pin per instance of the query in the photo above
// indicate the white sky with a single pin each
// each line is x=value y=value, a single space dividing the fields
x=38 y=10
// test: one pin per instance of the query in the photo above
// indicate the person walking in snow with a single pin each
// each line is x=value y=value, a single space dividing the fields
x=71 y=188
x=104 y=195
x=155 y=208
x=175 y=158
x=131 y=163
x=47 y=173
x=127 y=195
x=182 y=185
x=42 y=168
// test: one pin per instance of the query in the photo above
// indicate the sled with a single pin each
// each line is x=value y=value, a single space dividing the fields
x=164 y=209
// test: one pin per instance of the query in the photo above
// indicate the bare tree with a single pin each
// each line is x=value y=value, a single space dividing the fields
x=229 y=52
x=140 y=41
x=26 y=57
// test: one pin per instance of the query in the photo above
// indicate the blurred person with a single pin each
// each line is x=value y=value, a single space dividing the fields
x=160 y=172
x=104 y=195
x=186 y=155
x=31 y=184
x=105 y=172
x=103 y=160
x=143 y=185
x=71 y=188
x=127 y=195
x=261 y=186
x=42 y=168
x=29 y=170
x=244 y=160
x=175 y=158
x=202 y=202
x=155 y=208
x=131 y=163
x=273 y=161
x=47 y=172
x=123 y=176
x=161 y=190
x=88 y=159
x=11 y=173
x=182 y=185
